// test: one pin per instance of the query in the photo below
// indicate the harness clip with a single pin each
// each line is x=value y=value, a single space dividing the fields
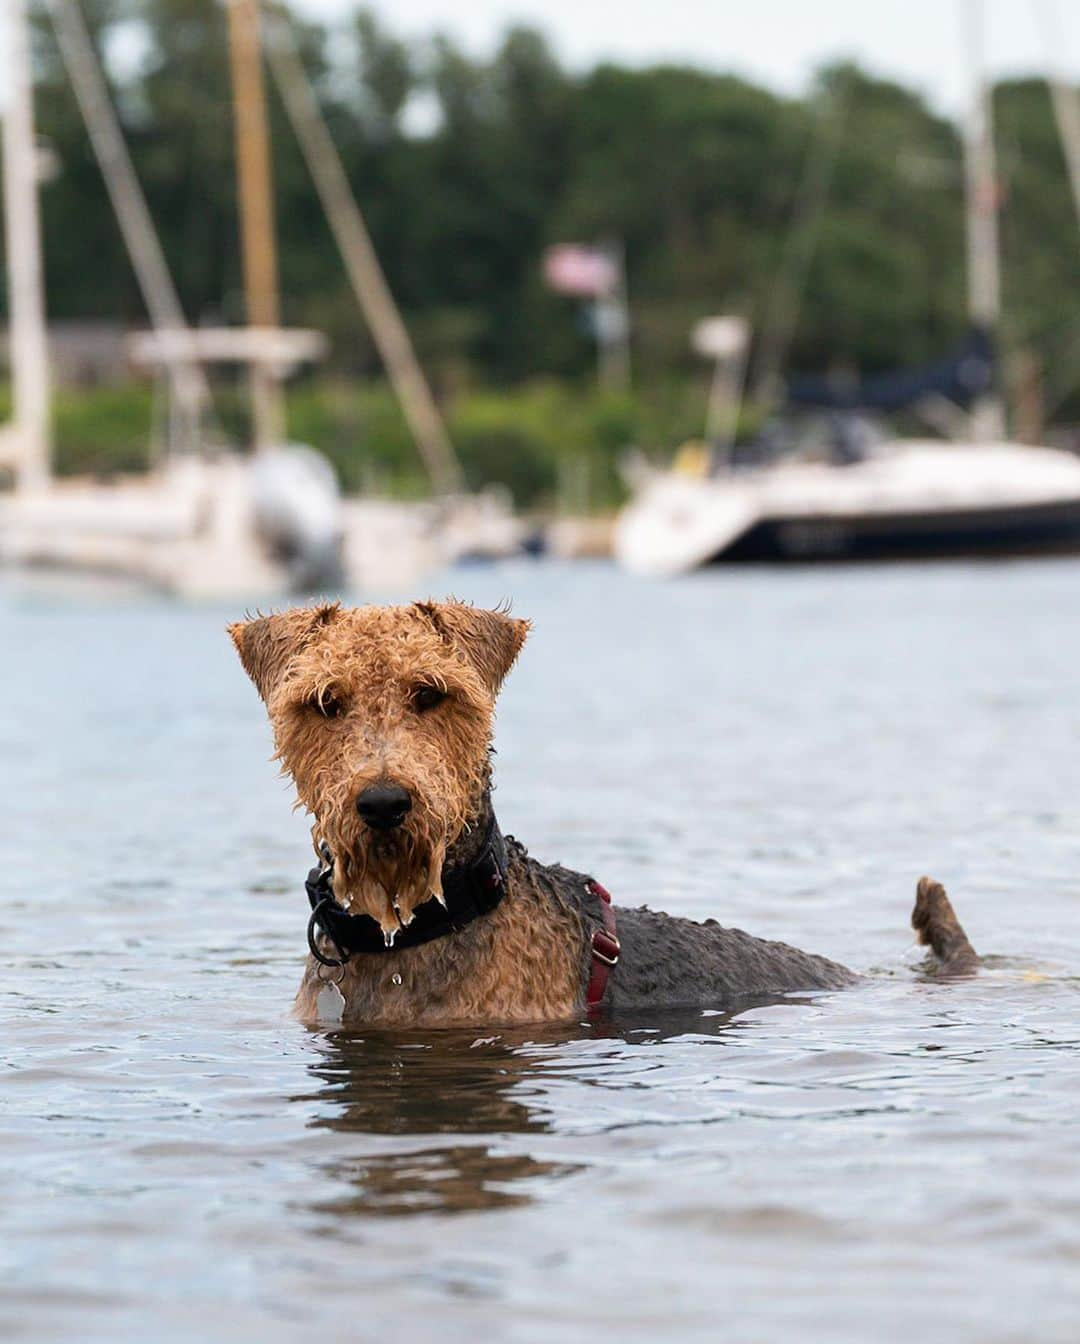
x=314 y=928
x=606 y=947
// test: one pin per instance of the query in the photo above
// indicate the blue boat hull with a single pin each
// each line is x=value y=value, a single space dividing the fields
x=1032 y=530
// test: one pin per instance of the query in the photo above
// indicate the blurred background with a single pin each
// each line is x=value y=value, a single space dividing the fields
x=506 y=264
x=634 y=315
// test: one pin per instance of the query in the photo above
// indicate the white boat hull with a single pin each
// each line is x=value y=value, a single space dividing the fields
x=908 y=500
x=197 y=528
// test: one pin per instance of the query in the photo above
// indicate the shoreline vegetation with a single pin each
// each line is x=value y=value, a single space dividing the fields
x=467 y=169
x=555 y=446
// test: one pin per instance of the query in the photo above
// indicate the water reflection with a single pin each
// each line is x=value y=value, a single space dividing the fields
x=481 y=1091
x=454 y=1084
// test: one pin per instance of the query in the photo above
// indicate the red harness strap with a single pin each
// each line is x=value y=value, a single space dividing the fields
x=605 y=946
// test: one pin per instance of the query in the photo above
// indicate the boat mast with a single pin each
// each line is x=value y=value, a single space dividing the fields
x=784 y=302
x=256 y=211
x=26 y=290
x=361 y=262
x=187 y=379
x=983 y=258
x=1063 y=96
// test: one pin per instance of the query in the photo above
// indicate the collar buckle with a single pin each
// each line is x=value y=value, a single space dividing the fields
x=606 y=947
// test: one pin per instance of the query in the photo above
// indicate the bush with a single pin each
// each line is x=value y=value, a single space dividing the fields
x=103 y=431
x=551 y=444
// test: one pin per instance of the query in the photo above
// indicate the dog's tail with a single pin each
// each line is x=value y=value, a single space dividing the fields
x=934 y=920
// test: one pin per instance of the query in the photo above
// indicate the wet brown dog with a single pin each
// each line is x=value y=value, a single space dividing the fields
x=383 y=717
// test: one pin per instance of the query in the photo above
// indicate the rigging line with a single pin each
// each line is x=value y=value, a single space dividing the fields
x=358 y=253
x=785 y=302
x=1064 y=97
x=129 y=203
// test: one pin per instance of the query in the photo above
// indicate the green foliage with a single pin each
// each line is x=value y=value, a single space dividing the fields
x=362 y=432
x=104 y=430
x=697 y=173
x=547 y=442
x=525 y=438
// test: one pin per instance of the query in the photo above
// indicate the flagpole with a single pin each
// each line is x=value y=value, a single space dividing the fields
x=622 y=343
x=595 y=275
x=612 y=322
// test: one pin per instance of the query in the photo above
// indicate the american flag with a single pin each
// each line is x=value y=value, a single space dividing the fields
x=580 y=270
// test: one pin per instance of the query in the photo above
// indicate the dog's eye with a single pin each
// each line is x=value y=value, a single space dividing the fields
x=427 y=697
x=329 y=704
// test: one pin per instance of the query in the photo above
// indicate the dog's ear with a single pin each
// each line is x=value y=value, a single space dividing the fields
x=490 y=640
x=267 y=643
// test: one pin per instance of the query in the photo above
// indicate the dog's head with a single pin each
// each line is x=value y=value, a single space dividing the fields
x=383 y=716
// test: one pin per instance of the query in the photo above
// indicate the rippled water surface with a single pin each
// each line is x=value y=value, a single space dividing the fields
x=785 y=751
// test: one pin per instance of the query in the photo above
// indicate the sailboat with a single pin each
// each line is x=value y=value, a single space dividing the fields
x=851 y=496
x=205 y=521
x=208 y=521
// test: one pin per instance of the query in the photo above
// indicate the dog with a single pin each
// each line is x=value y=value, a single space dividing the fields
x=422 y=913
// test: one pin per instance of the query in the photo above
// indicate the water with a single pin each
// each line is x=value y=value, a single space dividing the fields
x=786 y=751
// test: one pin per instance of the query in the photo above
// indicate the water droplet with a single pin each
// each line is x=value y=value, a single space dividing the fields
x=396 y=978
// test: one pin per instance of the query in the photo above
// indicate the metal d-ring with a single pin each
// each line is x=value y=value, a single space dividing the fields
x=313 y=927
x=325 y=975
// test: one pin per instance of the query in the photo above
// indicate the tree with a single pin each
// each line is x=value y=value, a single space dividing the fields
x=697 y=173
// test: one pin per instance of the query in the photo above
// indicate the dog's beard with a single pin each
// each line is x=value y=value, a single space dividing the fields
x=388 y=875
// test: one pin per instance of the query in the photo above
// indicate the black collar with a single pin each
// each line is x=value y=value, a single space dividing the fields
x=469 y=890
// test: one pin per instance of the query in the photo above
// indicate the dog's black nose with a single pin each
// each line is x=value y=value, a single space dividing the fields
x=383 y=806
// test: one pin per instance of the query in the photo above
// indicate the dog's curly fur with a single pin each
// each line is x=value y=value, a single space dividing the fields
x=406 y=695
x=341 y=689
